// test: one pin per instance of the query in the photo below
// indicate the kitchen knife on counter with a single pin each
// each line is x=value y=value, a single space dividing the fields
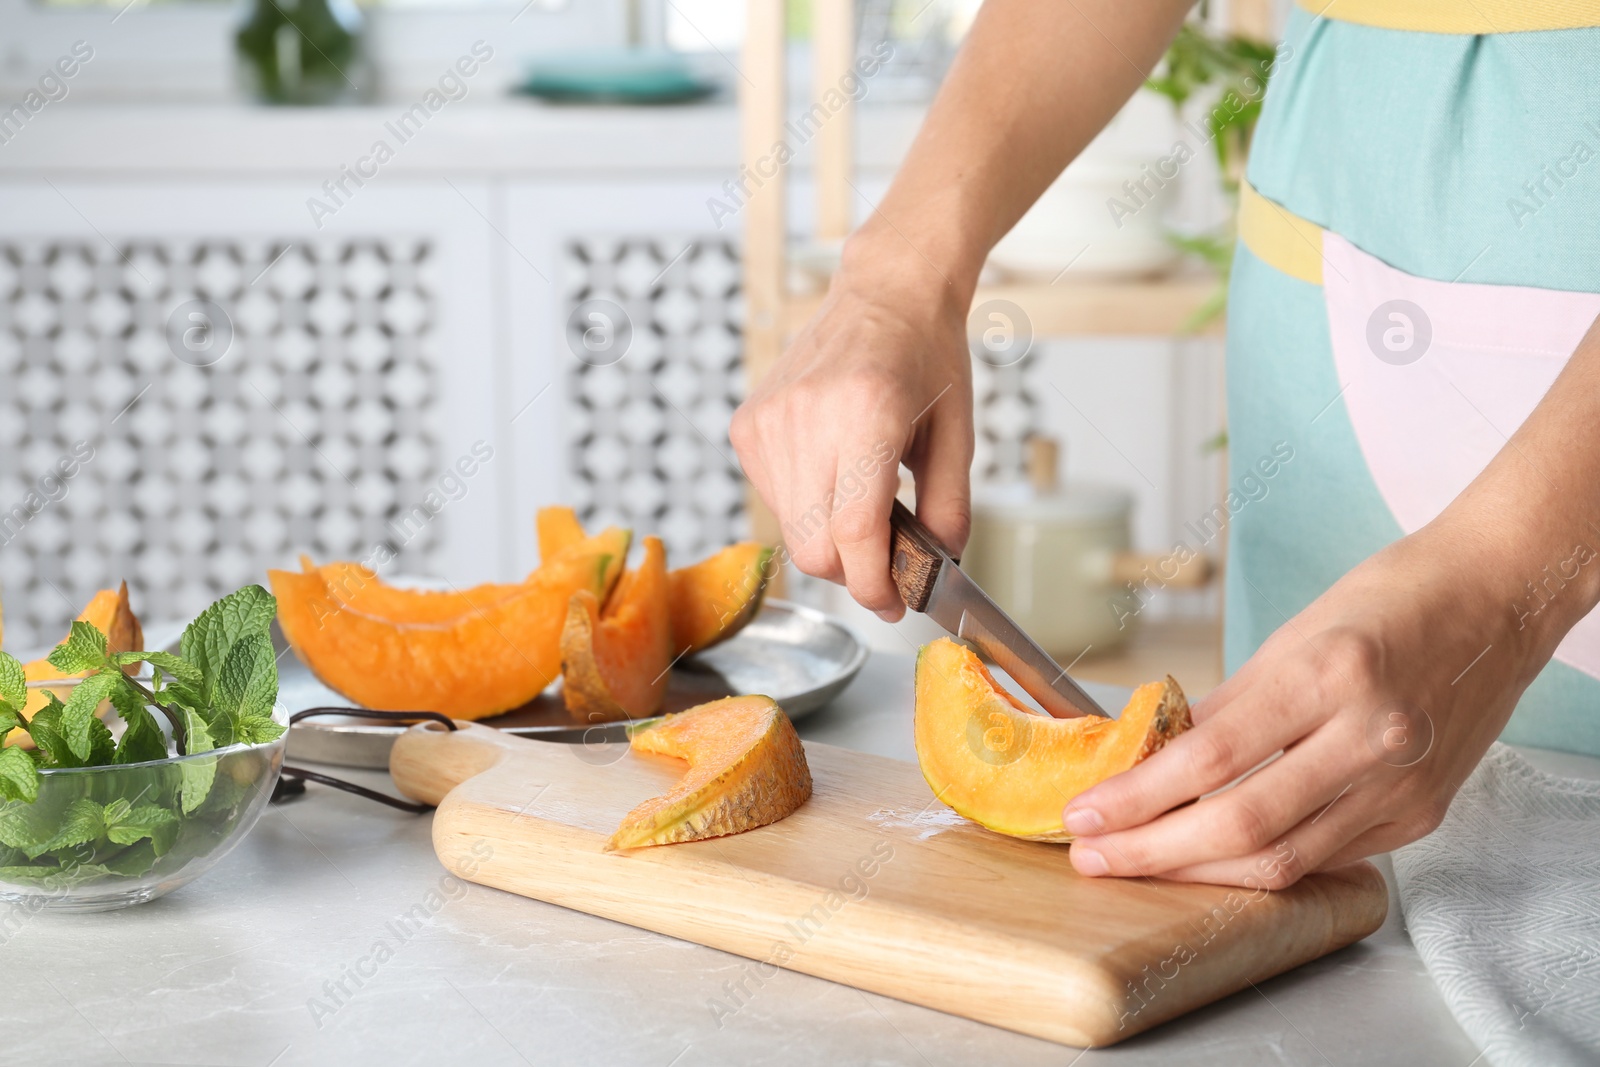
x=932 y=583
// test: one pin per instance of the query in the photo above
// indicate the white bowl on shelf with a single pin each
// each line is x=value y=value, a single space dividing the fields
x=1072 y=223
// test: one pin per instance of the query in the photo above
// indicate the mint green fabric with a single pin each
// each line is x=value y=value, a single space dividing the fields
x=1410 y=146
x=1323 y=514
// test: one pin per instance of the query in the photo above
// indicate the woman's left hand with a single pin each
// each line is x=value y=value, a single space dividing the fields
x=1381 y=697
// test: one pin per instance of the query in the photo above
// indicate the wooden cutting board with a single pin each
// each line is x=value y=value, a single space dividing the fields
x=875 y=884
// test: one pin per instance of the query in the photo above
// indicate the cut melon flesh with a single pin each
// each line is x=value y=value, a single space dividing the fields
x=614 y=662
x=712 y=600
x=747 y=768
x=362 y=589
x=1011 y=769
x=447 y=652
x=558 y=529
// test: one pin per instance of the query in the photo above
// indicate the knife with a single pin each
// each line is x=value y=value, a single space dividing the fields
x=932 y=583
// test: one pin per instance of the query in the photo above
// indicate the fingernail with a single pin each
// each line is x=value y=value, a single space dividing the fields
x=888 y=616
x=1084 y=821
x=1088 y=861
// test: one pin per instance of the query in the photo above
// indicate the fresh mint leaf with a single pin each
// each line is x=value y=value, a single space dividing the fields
x=48 y=733
x=80 y=708
x=9 y=720
x=82 y=823
x=259 y=729
x=131 y=862
x=22 y=827
x=174 y=666
x=83 y=650
x=102 y=746
x=196 y=775
x=249 y=682
x=13 y=681
x=45 y=728
x=19 y=778
x=142 y=740
x=126 y=824
x=210 y=637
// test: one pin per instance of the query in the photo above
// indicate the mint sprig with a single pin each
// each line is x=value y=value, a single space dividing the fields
x=218 y=690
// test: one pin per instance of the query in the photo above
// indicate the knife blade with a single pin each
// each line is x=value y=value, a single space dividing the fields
x=933 y=583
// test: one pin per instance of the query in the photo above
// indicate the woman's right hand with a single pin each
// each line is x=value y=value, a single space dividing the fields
x=880 y=377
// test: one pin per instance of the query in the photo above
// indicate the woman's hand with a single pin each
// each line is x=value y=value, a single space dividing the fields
x=880 y=377
x=1382 y=696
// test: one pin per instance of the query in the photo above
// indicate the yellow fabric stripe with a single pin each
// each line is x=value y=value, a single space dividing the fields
x=1279 y=237
x=1461 y=16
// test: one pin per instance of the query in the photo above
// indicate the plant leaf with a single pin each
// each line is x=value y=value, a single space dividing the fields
x=259 y=729
x=249 y=682
x=22 y=827
x=83 y=650
x=142 y=740
x=196 y=775
x=9 y=720
x=174 y=666
x=45 y=728
x=13 y=681
x=19 y=778
x=127 y=824
x=80 y=708
x=82 y=823
x=210 y=637
x=131 y=862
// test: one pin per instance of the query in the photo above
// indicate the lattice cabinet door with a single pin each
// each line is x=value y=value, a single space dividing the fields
x=630 y=333
x=203 y=383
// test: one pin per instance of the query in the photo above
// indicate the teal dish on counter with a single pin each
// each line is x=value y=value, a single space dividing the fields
x=636 y=76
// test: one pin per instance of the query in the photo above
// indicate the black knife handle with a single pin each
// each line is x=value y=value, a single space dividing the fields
x=914 y=557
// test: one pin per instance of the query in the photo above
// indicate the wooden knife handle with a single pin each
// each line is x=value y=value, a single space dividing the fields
x=914 y=557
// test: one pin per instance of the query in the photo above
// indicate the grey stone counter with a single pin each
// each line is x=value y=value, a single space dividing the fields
x=244 y=967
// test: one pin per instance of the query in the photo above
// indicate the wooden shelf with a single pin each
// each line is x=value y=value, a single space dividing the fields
x=1141 y=307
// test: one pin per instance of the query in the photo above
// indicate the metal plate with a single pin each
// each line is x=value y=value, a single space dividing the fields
x=796 y=655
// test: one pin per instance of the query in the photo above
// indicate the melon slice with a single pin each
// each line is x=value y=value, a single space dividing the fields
x=108 y=611
x=747 y=768
x=359 y=587
x=712 y=600
x=406 y=653
x=1011 y=769
x=614 y=663
x=558 y=529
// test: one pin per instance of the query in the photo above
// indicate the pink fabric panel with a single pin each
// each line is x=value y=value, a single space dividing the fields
x=1430 y=417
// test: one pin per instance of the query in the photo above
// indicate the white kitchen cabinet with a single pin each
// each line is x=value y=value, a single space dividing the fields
x=321 y=403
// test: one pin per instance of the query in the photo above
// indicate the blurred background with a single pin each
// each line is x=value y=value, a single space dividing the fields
x=296 y=276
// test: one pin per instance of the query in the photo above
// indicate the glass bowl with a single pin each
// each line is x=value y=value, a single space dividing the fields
x=83 y=846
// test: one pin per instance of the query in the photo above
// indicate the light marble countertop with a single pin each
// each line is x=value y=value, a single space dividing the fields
x=236 y=968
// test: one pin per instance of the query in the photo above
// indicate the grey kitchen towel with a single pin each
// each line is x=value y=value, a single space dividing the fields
x=1503 y=904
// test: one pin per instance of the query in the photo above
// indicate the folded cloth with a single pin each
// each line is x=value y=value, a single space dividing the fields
x=1503 y=904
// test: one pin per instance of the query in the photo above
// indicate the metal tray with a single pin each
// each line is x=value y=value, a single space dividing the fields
x=796 y=655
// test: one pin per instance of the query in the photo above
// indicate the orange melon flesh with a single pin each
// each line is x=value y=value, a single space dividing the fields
x=614 y=663
x=1011 y=769
x=558 y=529
x=747 y=768
x=108 y=611
x=712 y=600
x=404 y=654
x=360 y=588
